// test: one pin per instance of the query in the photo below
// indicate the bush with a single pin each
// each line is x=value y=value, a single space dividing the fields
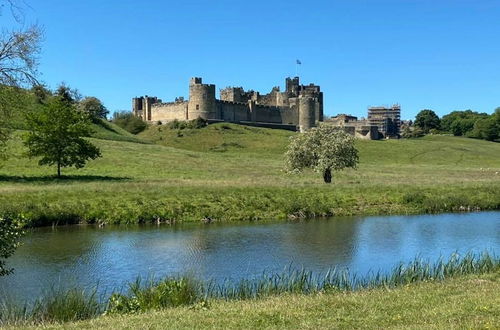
x=10 y=235
x=129 y=122
x=410 y=133
x=167 y=293
x=191 y=124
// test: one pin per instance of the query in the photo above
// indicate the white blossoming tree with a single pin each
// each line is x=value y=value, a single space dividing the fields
x=324 y=149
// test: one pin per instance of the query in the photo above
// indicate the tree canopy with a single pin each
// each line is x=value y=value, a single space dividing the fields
x=129 y=122
x=324 y=149
x=460 y=122
x=56 y=132
x=94 y=107
x=427 y=120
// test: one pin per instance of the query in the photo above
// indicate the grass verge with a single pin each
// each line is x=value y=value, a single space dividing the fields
x=172 y=293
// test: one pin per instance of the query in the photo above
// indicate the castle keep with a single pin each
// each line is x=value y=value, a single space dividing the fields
x=298 y=107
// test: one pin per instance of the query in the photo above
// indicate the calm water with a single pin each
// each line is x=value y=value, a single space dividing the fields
x=112 y=256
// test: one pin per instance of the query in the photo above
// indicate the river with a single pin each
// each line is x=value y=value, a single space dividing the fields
x=114 y=255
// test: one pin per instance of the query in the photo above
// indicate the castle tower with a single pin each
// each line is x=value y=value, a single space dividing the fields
x=201 y=100
x=307 y=112
x=137 y=106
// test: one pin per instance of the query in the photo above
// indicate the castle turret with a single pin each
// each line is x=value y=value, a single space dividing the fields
x=307 y=112
x=201 y=100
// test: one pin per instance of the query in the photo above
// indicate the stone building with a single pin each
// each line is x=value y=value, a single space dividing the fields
x=382 y=122
x=298 y=107
x=388 y=120
x=359 y=128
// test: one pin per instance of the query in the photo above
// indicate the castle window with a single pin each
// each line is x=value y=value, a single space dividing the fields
x=197 y=107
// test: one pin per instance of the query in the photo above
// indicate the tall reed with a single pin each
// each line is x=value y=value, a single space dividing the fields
x=73 y=304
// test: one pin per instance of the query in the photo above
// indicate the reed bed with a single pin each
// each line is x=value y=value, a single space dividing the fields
x=142 y=296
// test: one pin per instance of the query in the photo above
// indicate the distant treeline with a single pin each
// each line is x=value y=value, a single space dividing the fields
x=459 y=123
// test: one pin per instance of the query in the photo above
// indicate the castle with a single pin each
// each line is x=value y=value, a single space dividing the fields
x=299 y=107
x=382 y=122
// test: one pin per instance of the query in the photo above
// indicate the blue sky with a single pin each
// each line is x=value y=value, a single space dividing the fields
x=440 y=54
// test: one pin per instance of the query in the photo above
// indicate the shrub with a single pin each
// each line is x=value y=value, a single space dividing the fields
x=129 y=122
x=167 y=293
x=191 y=124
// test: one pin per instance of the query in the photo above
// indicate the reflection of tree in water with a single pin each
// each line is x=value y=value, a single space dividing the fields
x=328 y=242
x=59 y=244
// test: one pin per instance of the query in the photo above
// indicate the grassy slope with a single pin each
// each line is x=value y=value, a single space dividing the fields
x=228 y=171
x=464 y=302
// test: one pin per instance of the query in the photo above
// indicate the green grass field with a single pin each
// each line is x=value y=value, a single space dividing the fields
x=468 y=302
x=233 y=172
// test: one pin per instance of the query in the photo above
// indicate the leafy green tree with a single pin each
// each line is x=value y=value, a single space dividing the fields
x=94 y=107
x=129 y=122
x=56 y=135
x=68 y=94
x=324 y=149
x=10 y=234
x=460 y=122
x=427 y=120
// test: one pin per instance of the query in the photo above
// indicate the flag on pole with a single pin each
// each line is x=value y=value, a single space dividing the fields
x=299 y=62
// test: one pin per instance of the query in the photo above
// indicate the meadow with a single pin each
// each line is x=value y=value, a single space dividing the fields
x=232 y=172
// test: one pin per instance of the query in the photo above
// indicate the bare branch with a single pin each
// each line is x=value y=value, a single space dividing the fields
x=19 y=56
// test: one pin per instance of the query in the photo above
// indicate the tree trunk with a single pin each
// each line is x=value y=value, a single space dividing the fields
x=327 y=176
x=58 y=170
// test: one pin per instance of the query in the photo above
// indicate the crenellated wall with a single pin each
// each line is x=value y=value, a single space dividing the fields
x=299 y=105
x=233 y=111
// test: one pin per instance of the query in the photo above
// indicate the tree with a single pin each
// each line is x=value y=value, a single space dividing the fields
x=18 y=56
x=56 y=135
x=129 y=122
x=324 y=149
x=486 y=129
x=68 y=94
x=427 y=120
x=10 y=233
x=18 y=65
x=460 y=122
x=94 y=107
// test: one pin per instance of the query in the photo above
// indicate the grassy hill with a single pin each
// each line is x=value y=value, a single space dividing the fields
x=232 y=172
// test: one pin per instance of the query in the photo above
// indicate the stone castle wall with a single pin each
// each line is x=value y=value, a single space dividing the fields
x=299 y=105
x=165 y=112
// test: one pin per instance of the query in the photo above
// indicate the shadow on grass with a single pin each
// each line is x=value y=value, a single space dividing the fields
x=62 y=178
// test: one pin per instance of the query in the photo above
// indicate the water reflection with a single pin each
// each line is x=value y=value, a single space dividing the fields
x=112 y=256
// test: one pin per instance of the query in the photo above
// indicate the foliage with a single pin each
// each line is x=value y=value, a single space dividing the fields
x=68 y=94
x=427 y=120
x=129 y=122
x=10 y=234
x=170 y=292
x=412 y=132
x=189 y=124
x=18 y=56
x=93 y=107
x=486 y=129
x=460 y=122
x=324 y=149
x=56 y=135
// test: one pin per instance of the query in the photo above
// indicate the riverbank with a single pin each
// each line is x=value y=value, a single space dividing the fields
x=228 y=172
x=469 y=301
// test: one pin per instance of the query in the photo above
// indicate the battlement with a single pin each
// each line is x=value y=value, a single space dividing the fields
x=162 y=104
x=299 y=105
x=230 y=102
